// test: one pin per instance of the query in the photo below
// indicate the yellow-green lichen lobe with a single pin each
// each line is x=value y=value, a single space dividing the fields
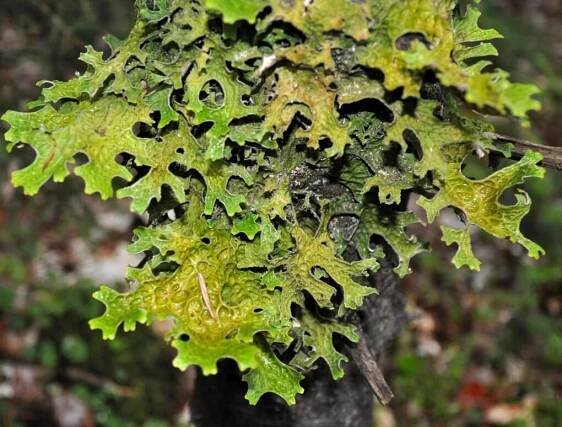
x=277 y=148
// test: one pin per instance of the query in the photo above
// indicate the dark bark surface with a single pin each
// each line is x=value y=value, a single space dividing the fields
x=219 y=400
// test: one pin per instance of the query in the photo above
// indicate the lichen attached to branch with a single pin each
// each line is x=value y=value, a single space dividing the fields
x=261 y=124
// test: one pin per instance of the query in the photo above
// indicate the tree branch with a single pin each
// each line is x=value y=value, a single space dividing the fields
x=97 y=381
x=367 y=363
x=552 y=155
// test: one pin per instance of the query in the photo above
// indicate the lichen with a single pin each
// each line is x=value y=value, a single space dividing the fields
x=261 y=125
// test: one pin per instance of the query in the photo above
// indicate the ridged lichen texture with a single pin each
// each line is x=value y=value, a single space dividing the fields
x=270 y=141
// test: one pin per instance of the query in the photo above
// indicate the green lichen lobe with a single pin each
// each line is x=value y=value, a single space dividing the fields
x=275 y=146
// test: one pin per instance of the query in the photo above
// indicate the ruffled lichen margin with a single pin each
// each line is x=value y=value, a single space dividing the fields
x=231 y=113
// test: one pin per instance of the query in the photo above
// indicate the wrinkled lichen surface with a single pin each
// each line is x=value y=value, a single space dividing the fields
x=221 y=118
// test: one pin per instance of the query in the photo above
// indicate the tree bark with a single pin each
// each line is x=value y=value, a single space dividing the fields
x=219 y=400
x=552 y=156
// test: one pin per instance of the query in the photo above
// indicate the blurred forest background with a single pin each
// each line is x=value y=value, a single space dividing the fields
x=483 y=349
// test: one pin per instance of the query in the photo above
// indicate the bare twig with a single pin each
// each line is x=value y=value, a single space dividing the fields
x=205 y=295
x=552 y=155
x=367 y=363
x=96 y=381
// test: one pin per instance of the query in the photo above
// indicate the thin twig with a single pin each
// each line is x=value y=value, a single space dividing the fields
x=552 y=156
x=205 y=295
x=96 y=381
x=367 y=363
